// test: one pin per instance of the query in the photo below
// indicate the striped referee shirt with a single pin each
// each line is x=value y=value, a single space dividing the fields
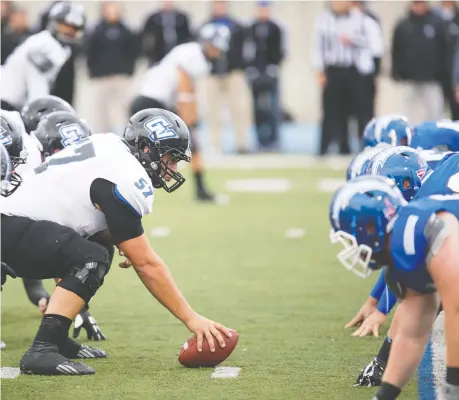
x=365 y=41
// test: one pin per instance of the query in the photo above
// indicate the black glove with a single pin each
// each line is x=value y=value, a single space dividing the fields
x=85 y=320
x=6 y=270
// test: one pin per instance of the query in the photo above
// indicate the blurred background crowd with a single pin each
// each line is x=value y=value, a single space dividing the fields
x=299 y=76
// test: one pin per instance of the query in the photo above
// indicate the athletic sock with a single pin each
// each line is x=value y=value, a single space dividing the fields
x=384 y=351
x=199 y=181
x=53 y=329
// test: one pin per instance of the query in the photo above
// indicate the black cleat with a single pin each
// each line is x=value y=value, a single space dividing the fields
x=371 y=375
x=43 y=359
x=72 y=349
x=204 y=195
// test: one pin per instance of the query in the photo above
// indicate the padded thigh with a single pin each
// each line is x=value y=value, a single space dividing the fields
x=46 y=249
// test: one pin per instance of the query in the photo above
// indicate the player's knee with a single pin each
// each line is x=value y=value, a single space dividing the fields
x=87 y=277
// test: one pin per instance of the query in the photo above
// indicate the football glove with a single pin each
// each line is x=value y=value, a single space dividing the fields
x=86 y=321
x=372 y=374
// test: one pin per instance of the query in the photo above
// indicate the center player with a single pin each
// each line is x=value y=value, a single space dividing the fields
x=114 y=190
x=171 y=85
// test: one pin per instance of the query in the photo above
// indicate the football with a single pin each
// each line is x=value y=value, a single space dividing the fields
x=191 y=358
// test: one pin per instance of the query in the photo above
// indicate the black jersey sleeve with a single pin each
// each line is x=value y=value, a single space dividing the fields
x=123 y=223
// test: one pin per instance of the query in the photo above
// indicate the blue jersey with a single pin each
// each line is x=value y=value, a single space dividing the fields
x=433 y=157
x=408 y=242
x=444 y=180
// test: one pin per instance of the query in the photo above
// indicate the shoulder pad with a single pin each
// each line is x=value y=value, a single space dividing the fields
x=41 y=61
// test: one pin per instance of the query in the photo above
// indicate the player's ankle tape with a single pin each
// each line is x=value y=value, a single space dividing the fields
x=388 y=392
x=452 y=376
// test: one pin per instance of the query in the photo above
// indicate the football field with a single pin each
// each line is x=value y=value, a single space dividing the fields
x=241 y=264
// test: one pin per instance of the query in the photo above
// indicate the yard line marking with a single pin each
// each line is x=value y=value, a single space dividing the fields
x=295 y=233
x=9 y=372
x=262 y=185
x=222 y=199
x=225 y=372
x=330 y=185
x=160 y=231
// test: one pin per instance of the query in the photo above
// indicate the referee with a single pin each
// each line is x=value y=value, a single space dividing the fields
x=347 y=42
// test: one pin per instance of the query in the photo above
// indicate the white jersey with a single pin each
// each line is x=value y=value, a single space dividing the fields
x=161 y=80
x=59 y=189
x=30 y=71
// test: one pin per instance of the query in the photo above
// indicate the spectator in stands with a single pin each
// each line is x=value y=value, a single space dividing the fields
x=111 y=51
x=266 y=38
x=449 y=12
x=163 y=31
x=419 y=62
x=346 y=43
x=64 y=86
x=227 y=83
x=16 y=31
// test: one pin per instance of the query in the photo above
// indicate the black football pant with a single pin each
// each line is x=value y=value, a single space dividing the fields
x=43 y=249
x=347 y=94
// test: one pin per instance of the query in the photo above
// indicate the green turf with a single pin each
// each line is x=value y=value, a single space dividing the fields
x=288 y=298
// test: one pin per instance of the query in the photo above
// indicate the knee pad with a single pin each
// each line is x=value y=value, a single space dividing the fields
x=86 y=278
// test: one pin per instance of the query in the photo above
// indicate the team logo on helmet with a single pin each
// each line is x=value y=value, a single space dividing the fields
x=5 y=139
x=420 y=173
x=389 y=210
x=160 y=128
x=71 y=134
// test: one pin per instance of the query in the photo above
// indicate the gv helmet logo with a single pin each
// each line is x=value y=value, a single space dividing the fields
x=71 y=134
x=160 y=128
x=6 y=140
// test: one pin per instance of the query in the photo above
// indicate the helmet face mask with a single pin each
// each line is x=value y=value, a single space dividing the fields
x=159 y=139
x=67 y=22
x=15 y=155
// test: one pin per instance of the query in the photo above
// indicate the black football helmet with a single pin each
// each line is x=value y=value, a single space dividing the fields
x=152 y=133
x=6 y=170
x=70 y=14
x=11 y=139
x=34 y=111
x=60 y=129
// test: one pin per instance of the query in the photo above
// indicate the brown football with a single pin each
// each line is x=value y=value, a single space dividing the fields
x=190 y=357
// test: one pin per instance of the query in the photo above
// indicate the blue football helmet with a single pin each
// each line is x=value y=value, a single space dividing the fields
x=403 y=165
x=392 y=129
x=360 y=162
x=360 y=213
x=441 y=136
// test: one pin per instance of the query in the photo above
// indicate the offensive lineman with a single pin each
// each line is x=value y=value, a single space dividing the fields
x=417 y=244
x=113 y=192
x=171 y=85
x=30 y=71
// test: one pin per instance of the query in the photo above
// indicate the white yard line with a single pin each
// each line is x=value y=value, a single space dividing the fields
x=9 y=372
x=262 y=185
x=225 y=372
x=275 y=161
x=330 y=185
x=160 y=231
x=295 y=233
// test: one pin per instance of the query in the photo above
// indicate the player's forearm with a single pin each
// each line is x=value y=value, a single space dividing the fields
x=160 y=283
x=405 y=355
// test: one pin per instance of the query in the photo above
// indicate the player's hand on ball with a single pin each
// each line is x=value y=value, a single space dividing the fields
x=365 y=311
x=371 y=325
x=210 y=330
x=86 y=321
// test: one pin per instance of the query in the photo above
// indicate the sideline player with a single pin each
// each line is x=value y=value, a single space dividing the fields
x=30 y=71
x=171 y=85
x=115 y=189
x=417 y=244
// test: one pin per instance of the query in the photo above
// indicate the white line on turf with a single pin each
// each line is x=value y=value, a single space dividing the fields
x=295 y=233
x=225 y=372
x=330 y=185
x=160 y=231
x=9 y=372
x=262 y=185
